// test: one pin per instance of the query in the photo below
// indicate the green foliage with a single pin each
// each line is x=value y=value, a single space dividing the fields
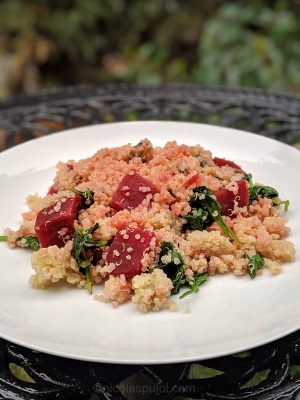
x=248 y=43
x=251 y=45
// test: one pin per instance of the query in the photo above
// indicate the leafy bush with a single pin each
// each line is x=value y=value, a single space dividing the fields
x=250 y=46
x=47 y=43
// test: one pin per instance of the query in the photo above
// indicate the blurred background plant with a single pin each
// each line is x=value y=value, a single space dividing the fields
x=47 y=43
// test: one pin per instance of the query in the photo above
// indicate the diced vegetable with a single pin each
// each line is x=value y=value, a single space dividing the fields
x=31 y=242
x=226 y=197
x=52 y=190
x=256 y=262
x=127 y=250
x=55 y=225
x=193 y=179
x=132 y=190
x=220 y=162
x=83 y=240
x=203 y=199
x=87 y=197
x=3 y=238
x=173 y=264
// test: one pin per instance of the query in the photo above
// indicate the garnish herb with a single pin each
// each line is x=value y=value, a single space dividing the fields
x=30 y=242
x=197 y=219
x=257 y=191
x=3 y=238
x=256 y=262
x=262 y=191
x=87 y=197
x=195 y=284
x=248 y=178
x=278 y=202
x=83 y=240
x=173 y=264
x=204 y=202
x=174 y=267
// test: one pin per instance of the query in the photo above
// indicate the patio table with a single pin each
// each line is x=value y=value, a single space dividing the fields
x=268 y=372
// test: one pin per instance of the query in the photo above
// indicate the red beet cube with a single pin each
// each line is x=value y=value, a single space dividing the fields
x=193 y=179
x=55 y=225
x=132 y=190
x=226 y=197
x=52 y=190
x=127 y=250
x=222 y=161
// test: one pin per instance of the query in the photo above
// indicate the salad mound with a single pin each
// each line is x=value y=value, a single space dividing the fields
x=150 y=222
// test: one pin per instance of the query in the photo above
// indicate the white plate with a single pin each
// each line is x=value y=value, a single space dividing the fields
x=229 y=314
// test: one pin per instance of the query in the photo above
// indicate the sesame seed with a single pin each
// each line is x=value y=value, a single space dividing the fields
x=125 y=236
x=128 y=257
x=129 y=250
x=116 y=253
x=137 y=236
x=127 y=194
x=215 y=213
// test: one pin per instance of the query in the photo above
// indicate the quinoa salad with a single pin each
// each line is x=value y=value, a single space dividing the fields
x=151 y=225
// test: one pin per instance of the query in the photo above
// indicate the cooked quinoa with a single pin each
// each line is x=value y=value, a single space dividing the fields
x=140 y=211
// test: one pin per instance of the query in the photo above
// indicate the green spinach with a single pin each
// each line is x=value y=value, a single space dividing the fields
x=30 y=242
x=87 y=197
x=204 y=202
x=256 y=262
x=195 y=284
x=257 y=191
x=83 y=240
x=174 y=267
x=197 y=219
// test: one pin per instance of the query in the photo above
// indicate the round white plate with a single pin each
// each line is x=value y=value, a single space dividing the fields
x=229 y=314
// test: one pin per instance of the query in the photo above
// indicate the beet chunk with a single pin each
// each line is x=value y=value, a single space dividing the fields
x=226 y=197
x=222 y=161
x=132 y=190
x=127 y=250
x=55 y=225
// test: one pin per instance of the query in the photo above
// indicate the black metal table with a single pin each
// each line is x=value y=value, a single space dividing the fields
x=268 y=372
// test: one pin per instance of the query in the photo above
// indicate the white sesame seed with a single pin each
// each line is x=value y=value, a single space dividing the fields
x=127 y=194
x=128 y=257
x=137 y=236
x=129 y=250
x=125 y=236
x=215 y=213
x=116 y=253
